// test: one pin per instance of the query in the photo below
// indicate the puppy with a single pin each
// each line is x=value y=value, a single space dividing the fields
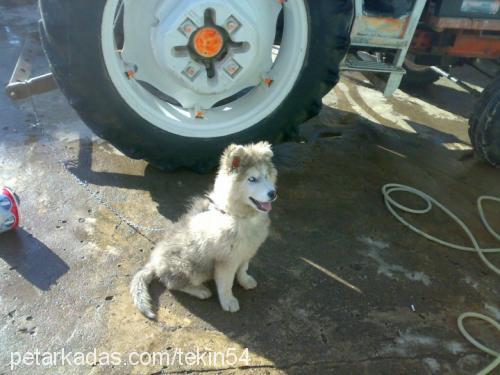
x=219 y=235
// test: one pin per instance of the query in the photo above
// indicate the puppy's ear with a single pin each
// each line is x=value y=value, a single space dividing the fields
x=264 y=149
x=232 y=157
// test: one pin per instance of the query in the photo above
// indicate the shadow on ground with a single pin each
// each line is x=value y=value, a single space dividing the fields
x=449 y=98
x=31 y=259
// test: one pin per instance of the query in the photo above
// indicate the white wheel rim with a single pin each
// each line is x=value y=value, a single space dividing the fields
x=230 y=118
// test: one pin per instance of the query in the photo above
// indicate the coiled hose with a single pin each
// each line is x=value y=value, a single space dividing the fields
x=392 y=205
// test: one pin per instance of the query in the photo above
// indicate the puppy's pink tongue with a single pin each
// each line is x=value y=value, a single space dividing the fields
x=266 y=206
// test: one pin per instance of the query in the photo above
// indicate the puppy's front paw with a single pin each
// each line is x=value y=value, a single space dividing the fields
x=230 y=304
x=248 y=282
x=204 y=293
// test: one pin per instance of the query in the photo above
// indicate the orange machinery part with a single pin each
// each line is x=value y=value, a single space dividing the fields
x=467 y=43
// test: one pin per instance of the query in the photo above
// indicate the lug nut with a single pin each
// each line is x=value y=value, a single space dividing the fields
x=191 y=70
x=187 y=27
x=232 y=68
x=130 y=73
x=232 y=24
x=268 y=81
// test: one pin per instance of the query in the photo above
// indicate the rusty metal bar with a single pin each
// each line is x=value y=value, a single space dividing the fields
x=18 y=90
x=20 y=85
x=441 y=23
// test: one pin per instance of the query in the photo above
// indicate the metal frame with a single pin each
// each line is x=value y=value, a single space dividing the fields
x=371 y=31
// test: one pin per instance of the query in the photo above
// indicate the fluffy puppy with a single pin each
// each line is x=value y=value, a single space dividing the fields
x=219 y=235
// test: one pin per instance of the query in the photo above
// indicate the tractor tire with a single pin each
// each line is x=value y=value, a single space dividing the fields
x=484 y=124
x=72 y=36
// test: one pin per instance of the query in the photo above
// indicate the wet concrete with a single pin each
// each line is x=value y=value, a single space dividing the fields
x=337 y=277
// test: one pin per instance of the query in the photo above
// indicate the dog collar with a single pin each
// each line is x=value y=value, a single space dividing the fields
x=215 y=206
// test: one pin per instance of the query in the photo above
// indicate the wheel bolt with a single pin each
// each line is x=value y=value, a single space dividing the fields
x=232 y=24
x=232 y=68
x=187 y=27
x=191 y=70
x=130 y=73
x=268 y=81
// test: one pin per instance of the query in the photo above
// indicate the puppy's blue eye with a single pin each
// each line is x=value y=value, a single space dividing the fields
x=252 y=179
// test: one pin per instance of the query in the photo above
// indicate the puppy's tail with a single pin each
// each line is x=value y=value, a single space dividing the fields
x=140 y=293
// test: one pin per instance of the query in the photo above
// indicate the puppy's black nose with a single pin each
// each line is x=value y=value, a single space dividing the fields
x=272 y=194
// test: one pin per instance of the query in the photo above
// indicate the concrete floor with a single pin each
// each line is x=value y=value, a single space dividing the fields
x=337 y=277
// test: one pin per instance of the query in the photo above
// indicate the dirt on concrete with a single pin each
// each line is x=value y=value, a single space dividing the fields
x=343 y=287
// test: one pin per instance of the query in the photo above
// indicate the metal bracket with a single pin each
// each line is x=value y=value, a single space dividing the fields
x=21 y=85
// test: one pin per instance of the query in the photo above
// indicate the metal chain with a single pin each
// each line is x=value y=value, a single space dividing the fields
x=85 y=184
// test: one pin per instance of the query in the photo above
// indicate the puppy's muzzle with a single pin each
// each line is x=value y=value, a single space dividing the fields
x=272 y=195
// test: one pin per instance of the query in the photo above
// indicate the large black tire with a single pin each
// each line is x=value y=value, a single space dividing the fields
x=484 y=124
x=70 y=32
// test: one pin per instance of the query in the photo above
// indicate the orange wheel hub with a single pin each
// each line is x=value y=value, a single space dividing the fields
x=208 y=42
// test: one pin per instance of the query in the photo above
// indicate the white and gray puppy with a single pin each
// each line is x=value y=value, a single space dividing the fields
x=219 y=235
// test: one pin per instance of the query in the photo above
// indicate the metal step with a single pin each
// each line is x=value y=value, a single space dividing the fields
x=379 y=42
x=353 y=63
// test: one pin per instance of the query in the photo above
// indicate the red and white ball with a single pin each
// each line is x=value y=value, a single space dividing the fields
x=9 y=212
